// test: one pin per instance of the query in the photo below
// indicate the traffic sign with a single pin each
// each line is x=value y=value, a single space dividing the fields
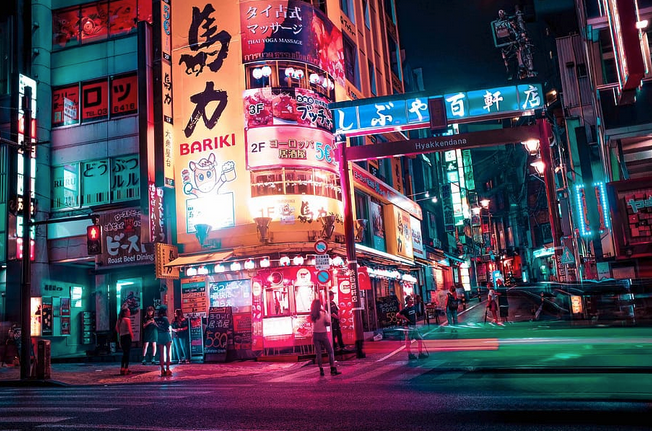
x=322 y=262
x=323 y=276
x=321 y=247
x=567 y=257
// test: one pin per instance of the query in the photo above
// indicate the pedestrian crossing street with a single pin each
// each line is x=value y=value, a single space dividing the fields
x=71 y=407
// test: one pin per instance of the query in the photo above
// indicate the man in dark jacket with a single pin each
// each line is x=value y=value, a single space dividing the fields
x=336 y=329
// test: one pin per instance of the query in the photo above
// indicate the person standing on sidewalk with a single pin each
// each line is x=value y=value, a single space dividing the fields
x=180 y=336
x=492 y=304
x=409 y=315
x=126 y=333
x=338 y=341
x=320 y=320
x=452 y=304
x=163 y=340
x=149 y=337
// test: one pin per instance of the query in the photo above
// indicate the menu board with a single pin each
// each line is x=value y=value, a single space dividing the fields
x=219 y=333
x=196 y=337
x=193 y=295
x=387 y=309
x=242 y=331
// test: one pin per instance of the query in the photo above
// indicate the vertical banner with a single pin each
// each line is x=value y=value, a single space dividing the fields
x=64 y=312
x=130 y=296
x=345 y=304
x=36 y=316
x=218 y=332
x=256 y=314
x=46 y=317
x=378 y=226
x=196 y=337
x=208 y=129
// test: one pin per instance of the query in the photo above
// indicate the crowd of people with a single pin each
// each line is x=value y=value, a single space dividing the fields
x=158 y=336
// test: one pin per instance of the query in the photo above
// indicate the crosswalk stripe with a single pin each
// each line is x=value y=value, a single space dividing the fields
x=39 y=408
x=127 y=396
x=299 y=374
x=33 y=419
x=373 y=373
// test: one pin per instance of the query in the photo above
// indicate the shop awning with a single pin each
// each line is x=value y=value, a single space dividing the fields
x=381 y=256
x=201 y=259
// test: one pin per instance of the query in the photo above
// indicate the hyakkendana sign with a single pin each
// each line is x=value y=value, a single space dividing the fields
x=441 y=143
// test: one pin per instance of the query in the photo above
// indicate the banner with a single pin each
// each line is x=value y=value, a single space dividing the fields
x=291 y=30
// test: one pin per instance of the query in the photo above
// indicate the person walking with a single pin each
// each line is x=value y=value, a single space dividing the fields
x=320 y=320
x=126 y=333
x=336 y=328
x=180 y=336
x=492 y=304
x=149 y=334
x=163 y=340
x=452 y=304
x=409 y=315
x=503 y=303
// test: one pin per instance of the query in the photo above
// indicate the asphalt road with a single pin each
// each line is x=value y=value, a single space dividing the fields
x=307 y=402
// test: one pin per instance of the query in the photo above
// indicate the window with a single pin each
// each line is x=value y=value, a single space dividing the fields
x=5 y=53
x=347 y=8
x=372 y=78
x=97 y=21
x=76 y=295
x=394 y=56
x=314 y=182
x=367 y=18
x=95 y=182
x=389 y=10
x=351 y=67
x=95 y=100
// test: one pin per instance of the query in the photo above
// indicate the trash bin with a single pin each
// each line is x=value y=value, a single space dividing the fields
x=43 y=360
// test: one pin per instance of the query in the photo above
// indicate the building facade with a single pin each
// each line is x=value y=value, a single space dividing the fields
x=197 y=135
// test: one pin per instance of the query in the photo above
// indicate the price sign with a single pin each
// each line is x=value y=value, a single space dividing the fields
x=322 y=262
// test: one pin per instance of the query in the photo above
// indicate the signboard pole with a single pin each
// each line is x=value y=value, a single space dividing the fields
x=349 y=233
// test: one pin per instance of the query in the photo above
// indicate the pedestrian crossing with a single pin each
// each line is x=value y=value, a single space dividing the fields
x=79 y=407
x=388 y=371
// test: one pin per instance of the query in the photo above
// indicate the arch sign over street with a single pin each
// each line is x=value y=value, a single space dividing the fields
x=405 y=112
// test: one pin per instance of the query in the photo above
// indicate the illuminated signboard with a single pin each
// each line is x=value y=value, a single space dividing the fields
x=398 y=232
x=601 y=198
x=622 y=17
x=412 y=113
x=290 y=146
x=208 y=124
x=286 y=106
x=275 y=30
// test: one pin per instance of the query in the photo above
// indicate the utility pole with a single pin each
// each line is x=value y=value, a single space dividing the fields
x=26 y=279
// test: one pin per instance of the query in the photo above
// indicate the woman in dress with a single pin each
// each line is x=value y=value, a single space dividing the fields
x=180 y=336
x=492 y=303
x=320 y=320
x=149 y=334
x=123 y=328
x=163 y=340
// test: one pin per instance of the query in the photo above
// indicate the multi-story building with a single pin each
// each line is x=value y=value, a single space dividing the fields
x=197 y=135
x=604 y=171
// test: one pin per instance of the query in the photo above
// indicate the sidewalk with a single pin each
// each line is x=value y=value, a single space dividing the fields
x=472 y=346
x=108 y=373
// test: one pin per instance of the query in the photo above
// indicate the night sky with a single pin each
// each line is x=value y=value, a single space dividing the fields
x=452 y=40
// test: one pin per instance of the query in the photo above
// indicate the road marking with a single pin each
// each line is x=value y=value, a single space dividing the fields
x=136 y=428
x=57 y=409
x=34 y=419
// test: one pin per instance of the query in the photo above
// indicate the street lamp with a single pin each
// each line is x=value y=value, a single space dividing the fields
x=532 y=146
x=539 y=166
